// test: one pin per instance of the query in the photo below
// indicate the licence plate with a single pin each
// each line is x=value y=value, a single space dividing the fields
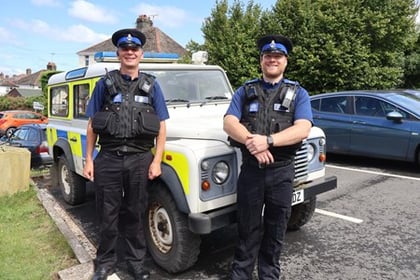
x=297 y=197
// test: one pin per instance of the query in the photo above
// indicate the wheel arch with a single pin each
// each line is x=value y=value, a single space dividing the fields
x=173 y=184
x=63 y=147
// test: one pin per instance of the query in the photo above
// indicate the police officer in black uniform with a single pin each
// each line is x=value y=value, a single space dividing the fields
x=127 y=111
x=267 y=119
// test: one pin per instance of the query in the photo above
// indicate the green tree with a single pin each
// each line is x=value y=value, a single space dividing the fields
x=230 y=35
x=338 y=44
x=412 y=67
x=345 y=44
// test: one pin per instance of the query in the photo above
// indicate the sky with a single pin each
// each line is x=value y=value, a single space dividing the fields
x=36 y=32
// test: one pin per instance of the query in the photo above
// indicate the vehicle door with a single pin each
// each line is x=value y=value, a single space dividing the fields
x=372 y=134
x=331 y=114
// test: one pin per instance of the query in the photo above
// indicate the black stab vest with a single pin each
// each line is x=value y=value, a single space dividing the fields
x=123 y=126
x=267 y=112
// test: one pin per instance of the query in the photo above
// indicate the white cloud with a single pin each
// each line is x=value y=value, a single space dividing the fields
x=75 y=33
x=163 y=16
x=90 y=12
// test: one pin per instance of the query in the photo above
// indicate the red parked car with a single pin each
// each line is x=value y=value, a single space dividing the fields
x=10 y=120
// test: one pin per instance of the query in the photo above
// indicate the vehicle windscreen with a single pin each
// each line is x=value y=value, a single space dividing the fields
x=192 y=85
x=409 y=101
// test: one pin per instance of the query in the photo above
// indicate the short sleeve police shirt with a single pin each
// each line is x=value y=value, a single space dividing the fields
x=98 y=98
x=302 y=102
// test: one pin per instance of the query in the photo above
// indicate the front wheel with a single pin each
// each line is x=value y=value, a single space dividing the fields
x=301 y=214
x=171 y=244
x=72 y=185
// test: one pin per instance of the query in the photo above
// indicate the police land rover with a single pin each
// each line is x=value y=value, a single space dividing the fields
x=196 y=192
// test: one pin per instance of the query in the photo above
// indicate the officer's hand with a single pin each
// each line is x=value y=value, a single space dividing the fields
x=154 y=170
x=264 y=157
x=256 y=143
x=88 y=170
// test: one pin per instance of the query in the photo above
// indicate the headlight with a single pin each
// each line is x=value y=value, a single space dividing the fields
x=311 y=152
x=220 y=172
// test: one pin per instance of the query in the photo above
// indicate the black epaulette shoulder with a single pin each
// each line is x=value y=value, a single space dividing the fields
x=256 y=80
x=290 y=82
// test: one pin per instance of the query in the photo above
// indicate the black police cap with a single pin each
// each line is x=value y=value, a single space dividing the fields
x=274 y=44
x=129 y=37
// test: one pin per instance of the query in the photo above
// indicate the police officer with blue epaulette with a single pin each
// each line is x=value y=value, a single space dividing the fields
x=267 y=119
x=127 y=111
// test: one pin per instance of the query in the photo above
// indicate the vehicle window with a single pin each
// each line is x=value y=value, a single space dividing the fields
x=59 y=101
x=192 y=85
x=33 y=116
x=32 y=135
x=81 y=96
x=20 y=134
x=315 y=104
x=369 y=106
x=391 y=108
x=334 y=104
x=19 y=116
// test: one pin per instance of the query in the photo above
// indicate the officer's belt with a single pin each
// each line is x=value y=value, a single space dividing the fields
x=121 y=150
x=275 y=164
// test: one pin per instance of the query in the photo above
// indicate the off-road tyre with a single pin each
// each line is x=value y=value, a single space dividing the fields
x=170 y=243
x=301 y=214
x=72 y=185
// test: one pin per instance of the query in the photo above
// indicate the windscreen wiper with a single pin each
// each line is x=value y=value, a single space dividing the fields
x=215 y=97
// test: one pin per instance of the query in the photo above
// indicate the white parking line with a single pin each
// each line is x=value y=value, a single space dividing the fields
x=335 y=215
x=373 y=172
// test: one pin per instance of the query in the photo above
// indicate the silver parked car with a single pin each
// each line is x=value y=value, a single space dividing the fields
x=379 y=124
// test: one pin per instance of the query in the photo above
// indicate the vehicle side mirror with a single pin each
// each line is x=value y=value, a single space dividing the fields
x=394 y=116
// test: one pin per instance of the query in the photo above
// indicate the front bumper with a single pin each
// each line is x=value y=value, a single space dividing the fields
x=204 y=223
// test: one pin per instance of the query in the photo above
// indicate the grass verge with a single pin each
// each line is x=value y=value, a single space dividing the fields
x=31 y=246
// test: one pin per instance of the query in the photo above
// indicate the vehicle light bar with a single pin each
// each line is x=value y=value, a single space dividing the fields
x=148 y=57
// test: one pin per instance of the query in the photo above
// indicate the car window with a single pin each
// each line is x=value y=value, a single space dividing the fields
x=20 y=134
x=315 y=104
x=192 y=85
x=34 y=116
x=59 y=101
x=370 y=106
x=32 y=135
x=81 y=95
x=334 y=104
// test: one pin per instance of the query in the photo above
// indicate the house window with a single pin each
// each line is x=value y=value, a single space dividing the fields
x=86 y=60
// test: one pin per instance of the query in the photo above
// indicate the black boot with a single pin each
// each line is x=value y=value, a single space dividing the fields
x=101 y=273
x=138 y=272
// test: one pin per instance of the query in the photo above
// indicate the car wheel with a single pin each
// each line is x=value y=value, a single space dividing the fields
x=171 y=244
x=301 y=214
x=72 y=185
x=9 y=131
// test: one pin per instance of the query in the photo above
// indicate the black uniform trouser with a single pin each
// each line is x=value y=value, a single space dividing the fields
x=262 y=236
x=121 y=200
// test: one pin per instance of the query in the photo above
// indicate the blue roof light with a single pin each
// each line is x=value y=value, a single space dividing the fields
x=148 y=56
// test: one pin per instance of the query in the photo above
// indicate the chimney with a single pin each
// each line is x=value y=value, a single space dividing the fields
x=51 y=66
x=28 y=71
x=143 y=22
